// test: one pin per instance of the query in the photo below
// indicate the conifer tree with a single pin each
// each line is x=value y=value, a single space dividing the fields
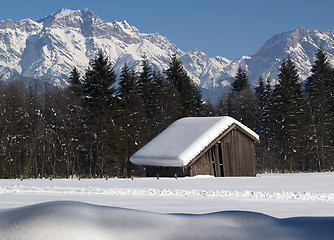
x=148 y=89
x=167 y=104
x=267 y=120
x=75 y=77
x=98 y=96
x=98 y=85
x=241 y=80
x=319 y=87
x=264 y=124
x=241 y=100
x=75 y=82
x=260 y=92
x=190 y=94
x=130 y=121
x=145 y=81
x=260 y=128
x=288 y=106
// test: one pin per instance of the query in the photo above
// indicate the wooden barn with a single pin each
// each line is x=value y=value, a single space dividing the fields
x=218 y=146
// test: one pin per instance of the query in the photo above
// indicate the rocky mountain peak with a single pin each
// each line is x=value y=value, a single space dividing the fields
x=49 y=48
x=69 y=18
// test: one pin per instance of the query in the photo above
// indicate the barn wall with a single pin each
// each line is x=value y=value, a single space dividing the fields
x=203 y=166
x=232 y=155
x=238 y=152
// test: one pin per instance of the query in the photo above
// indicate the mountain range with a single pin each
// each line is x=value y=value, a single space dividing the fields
x=49 y=48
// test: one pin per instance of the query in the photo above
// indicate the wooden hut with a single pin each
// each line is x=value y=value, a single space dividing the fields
x=218 y=146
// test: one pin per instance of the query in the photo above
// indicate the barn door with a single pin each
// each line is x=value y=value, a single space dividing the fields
x=228 y=158
x=220 y=154
x=216 y=160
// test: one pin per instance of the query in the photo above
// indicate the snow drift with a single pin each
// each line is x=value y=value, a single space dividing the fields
x=74 y=220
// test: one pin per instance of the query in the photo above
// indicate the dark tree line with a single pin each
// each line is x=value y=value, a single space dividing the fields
x=294 y=122
x=92 y=127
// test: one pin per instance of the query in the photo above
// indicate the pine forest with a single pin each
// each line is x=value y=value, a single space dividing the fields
x=91 y=127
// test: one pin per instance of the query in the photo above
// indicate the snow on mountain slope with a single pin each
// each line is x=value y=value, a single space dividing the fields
x=49 y=48
x=301 y=44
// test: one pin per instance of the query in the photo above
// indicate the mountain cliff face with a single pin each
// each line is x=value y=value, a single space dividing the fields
x=301 y=44
x=49 y=48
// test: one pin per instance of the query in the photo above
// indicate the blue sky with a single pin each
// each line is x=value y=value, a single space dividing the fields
x=217 y=27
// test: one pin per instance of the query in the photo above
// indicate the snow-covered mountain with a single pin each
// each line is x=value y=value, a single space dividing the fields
x=49 y=48
x=301 y=44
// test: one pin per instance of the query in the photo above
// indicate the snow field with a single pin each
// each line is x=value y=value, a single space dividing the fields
x=269 y=206
x=151 y=192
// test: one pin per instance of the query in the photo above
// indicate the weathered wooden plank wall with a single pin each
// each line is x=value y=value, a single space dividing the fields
x=232 y=155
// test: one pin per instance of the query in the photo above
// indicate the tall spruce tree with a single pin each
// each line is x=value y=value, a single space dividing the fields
x=260 y=125
x=319 y=87
x=241 y=100
x=190 y=94
x=145 y=81
x=288 y=104
x=130 y=121
x=98 y=85
x=167 y=105
x=98 y=96
x=260 y=92
x=75 y=82
x=264 y=121
x=148 y=89
x=75 y=77
x=267 y=121
x=241 y=81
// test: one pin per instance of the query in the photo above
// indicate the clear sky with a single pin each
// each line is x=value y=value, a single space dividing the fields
x=228 y=28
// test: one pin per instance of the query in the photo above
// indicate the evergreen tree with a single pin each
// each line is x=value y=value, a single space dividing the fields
x=130 y=121
x=264 y=124
x=260 y=92
x=241 y=80
x=167 y=104
x=289 y=115
x=98 y=96
x=98 y=83
x=148 y=89
x=241 y=101
x=319 y=87
x=190 y=94
x=145 y=81
x=127 y=83
x=260 y=128
x=267 y=121
x=75 y=77
x=75 y=82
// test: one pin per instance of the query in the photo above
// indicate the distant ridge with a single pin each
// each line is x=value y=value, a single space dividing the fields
x=49 y=48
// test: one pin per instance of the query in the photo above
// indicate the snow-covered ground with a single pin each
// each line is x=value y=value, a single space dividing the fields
x=207 y=208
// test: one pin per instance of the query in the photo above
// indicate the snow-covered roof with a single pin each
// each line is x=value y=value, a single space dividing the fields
x=182 y=141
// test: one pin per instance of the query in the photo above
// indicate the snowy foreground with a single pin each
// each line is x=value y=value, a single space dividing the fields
x=272 y=206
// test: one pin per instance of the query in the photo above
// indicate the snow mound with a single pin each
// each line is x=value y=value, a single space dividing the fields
x=74 y=220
